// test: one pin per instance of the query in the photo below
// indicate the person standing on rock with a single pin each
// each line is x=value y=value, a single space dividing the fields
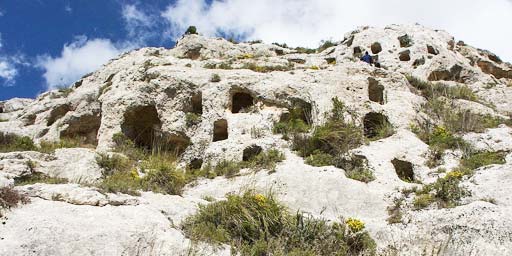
x=367 y=58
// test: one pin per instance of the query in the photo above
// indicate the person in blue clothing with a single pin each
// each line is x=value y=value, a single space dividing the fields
x=367 y=58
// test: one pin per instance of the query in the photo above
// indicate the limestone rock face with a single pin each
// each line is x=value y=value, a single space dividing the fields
x=212 y=100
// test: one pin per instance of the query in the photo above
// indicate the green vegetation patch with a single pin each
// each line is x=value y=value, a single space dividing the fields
x=446 y=192
x=256 y=224
x=264 y=160
x=11 y=142
x=37 y=177
x=161 y=175
x=335 y=137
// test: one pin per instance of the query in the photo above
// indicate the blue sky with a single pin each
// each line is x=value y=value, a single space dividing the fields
x=31 y=29
x=45 y=44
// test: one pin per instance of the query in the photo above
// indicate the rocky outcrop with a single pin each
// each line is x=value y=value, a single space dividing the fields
x=210 y=100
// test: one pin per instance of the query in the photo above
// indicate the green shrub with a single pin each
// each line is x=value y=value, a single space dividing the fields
x=37 y=177
x=162 y=175
x=434 y=90
x=3 y=120
x=335 y=137
x=224 y=65
x=325 y=44
x=125 y=146
x=422 y=201
x=50 y=147
x=215 y=78
x=165 y=179
x=192 y=119
x=227 y=168
x=476 y=160
x=125 y=182
x=319 y=158
x=446 y=192
x=439 y=139
x=11 y=142
x=440 y=107
x=191 y=30
x=356 y=167
x=305 y=50
x=112 y=164
x=119 y=175
x=256 y=224
x=265 y=160
x=266 y=69
x=291 y=127
x=10 y=198
x=364 y=175
x=443 y=137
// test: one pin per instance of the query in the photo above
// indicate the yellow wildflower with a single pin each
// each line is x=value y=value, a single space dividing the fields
x=454 y=174
x=355 y=225
x=134 y=173
x=260 y=199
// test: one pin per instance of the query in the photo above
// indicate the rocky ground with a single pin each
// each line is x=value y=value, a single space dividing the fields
x=212 y=100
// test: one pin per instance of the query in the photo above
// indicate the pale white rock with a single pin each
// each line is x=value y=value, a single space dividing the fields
x=57 y=228
x=479 y=228
x=74 y=164
x=492 y=183
x=76 y=194
x=14 y=104
x=498 y=139
x=17 y=164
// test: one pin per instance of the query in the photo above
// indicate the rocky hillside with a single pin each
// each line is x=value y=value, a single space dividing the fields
x=138 y=158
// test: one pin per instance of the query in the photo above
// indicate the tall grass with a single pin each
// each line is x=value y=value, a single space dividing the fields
x=264 y=160
x=256 y=224
x=11 y=142
x=442 y=129
x=121 y=174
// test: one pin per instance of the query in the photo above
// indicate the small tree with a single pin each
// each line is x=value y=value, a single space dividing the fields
x=192 y=30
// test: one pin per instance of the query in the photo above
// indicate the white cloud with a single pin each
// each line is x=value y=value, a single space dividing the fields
x=77 y=59
x=7 y=72
x=137 y=23
x=132 y=15
x=8 y=69
x=68 y=8
x=481 y=23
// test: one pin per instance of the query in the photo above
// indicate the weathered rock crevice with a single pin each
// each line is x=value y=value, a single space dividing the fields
x=251 y=152
x=374 y=124
x=375 y=91
x=241 y=101
x=405 y=55
x=142 y=125
x=404 y=170
x=492 y=69
x=376 y=48
x=57 y=113
x=83 y=127
x=453 y=74
x=220 y=130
